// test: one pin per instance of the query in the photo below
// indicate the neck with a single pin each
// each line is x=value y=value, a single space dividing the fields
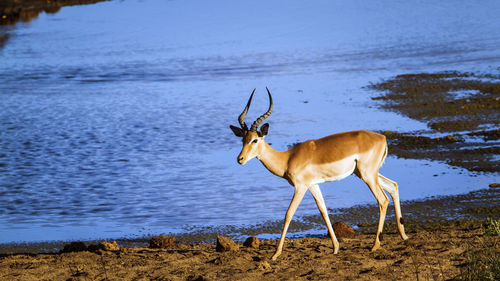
x=275 y=161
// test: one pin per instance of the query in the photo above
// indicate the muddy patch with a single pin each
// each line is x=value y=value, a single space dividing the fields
x=461 y=110
x=479 y=154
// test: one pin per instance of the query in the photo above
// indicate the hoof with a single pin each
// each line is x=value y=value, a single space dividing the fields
x=275 y=256
x=376 y=246
x=336 y=250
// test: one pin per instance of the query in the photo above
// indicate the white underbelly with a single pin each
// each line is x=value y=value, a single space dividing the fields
x=330 y=170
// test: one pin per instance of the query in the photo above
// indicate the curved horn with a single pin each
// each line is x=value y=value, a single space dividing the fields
x=241 y=118
x=263 y=117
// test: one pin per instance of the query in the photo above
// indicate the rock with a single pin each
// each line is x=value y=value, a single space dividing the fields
x=161 y=242
x=225 y=244
x=494 y=185
x=104 y=246
x=342 y=230
x=110 y=246
x=252 y=242
x=74 y=247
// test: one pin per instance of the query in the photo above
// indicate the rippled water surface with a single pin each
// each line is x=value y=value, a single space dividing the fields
x=114 y=117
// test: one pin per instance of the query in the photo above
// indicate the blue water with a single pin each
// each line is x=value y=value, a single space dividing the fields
x=114 y=117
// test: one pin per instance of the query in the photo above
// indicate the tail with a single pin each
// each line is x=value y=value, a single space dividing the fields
x=385 y=154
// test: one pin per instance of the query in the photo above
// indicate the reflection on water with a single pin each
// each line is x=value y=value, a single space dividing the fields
x=12 y=11
x=3 y=39
x=18 y=14
x=110 y=127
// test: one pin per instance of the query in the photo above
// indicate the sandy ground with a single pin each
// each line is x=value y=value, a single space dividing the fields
x=427 y=255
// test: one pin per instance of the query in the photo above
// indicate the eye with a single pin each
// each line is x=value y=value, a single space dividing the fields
x=254 y=141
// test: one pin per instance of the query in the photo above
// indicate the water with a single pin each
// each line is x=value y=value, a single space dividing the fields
x=114 y=117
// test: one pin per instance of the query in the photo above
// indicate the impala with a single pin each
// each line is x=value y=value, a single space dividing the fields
x=312 y=162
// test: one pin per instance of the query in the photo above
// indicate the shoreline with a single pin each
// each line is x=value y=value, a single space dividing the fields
x=456 y=252
x=470 y=209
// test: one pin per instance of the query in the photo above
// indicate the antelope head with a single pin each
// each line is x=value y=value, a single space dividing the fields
x=253 y=139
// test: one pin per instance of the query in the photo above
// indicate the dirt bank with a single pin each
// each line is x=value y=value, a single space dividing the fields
x=445 y=235
x=428 y=255
x=429 y=214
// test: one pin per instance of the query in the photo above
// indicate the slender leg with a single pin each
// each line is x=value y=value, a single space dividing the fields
x=316 y=192
x=382 y=199
x=392 y=187
x=382 y=205
x=300 y=190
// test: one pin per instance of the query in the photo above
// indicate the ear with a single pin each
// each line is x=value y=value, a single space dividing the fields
x=237 y=131
x=264 y=129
